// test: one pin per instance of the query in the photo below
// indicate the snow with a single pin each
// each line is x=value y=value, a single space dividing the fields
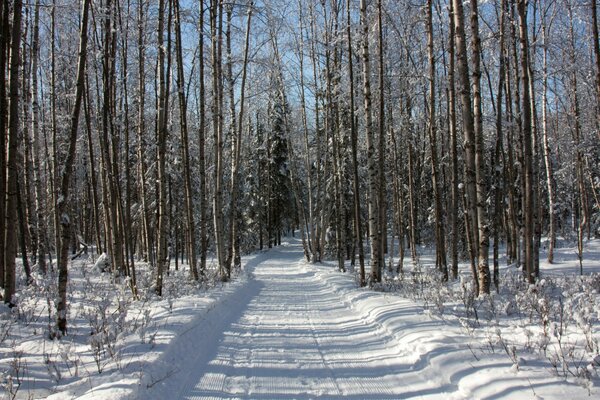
x=102 y=264
x=283 y=329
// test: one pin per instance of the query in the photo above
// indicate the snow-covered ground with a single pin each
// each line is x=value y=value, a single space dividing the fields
x=286 y=329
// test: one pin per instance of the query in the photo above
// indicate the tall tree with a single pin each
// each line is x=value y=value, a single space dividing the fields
x=147 y=237
x=216 y=28
x=354 y=142
x=499 y=148
x=468 y=131
x=40 y=202
x=13 y=157
x=527 y=143
x=382 y=225
x=65 y=192
x=440 y=236
x=452 y=130
x=482 y=236
x=202 y=145
x=596 y=46
x=187 y=170
x=547 y=151
x=373 y=173
x=162 y=103
x=576 y=129
x=233 y=253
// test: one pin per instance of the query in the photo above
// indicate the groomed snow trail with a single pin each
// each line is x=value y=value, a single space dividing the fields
x=290 y=330
x=295 y=338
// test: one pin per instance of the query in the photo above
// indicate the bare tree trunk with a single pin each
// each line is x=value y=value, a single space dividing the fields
x=468 y=129
x=546 y=147
x=216 y=21
x=307 y=164
x=483 y=235
x=25 y=207
x=187 y=173
x=110 y=184
x=116 y=196
x=440 y=236
x=148 y=241
x=229 y=229
x=234 y=234
x=596 y=47
x=4 y=45
x=527 y=143
x=23 y=233
x=65 y=227
x=374 y=216
x=454 y=194
x=354 y=140
x=513 y=244
x=94 y=178
x=125 y=204
x=412 y=197
x=317 y=230
x=201 y=148
x=398 y=201
x=14 y=159
x=163 y=212
x=499 y=150
x=40 y=205
x=382 y=226
x=582 y=195
x=54 y=127
x=332 y=127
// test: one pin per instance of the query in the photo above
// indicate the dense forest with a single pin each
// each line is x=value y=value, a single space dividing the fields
x=191 y=132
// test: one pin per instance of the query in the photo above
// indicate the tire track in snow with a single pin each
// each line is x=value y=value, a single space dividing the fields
x=295 y=338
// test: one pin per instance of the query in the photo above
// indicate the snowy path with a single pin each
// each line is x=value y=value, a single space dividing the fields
x=294 y=338
x=298 y=331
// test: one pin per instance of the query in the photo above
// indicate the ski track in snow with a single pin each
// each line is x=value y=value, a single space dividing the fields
x=297 y=331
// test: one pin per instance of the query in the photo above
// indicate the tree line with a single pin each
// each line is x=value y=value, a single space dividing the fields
x=159 y=131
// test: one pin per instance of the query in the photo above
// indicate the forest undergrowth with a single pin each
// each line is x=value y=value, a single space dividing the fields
x=109 y=330
x=555 y=321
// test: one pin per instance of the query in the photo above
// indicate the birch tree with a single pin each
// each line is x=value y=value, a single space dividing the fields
x=65 y=192
x=374 y=216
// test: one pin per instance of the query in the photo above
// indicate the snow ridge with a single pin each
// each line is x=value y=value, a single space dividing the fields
x=300 y=331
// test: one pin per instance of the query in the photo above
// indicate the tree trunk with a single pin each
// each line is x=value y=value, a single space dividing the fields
x=234 y=214
x=64 y=203
x=469 y=131
x=498 y=151
x=452 y=127
x=596 y=47
x=4 y=45
x=13 y=158
x=94 y=178
x=201 y=148
x=482 y=236
x=382 y=225
x=527 y=144
x=546 y=147
x=374 y=216
x=163 y=212
x=126 y=223
x=354 y=140
x=440 y=235
x=148 y=242
x=216 y=21
x=54 y=127
x=40 y=203
x=582 y=195
x=187 y=173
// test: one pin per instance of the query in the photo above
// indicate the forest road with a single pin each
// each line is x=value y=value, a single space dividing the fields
x=288 y=336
